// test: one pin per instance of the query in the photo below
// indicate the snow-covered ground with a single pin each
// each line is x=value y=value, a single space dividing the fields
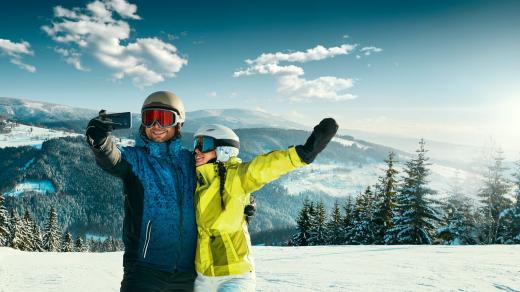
x=332 y=179
x=326 y=268
x=39 y=186
x=344 y=180
x=24 y=135
x=349 y=143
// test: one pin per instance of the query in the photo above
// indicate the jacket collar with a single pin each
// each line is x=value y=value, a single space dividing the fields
x=159 y=150
x=210 y=170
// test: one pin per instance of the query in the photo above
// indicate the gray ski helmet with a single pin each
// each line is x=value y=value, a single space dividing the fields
x=165 y=100
x=227 y=143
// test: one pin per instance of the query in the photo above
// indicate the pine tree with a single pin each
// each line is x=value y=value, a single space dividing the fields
x=51 y=240
x=16 y=239
x=97 y=246
x=92 y=245
x=318 y=231
x=36 y=240
x=335 y=234
x=108 y=245
x=459 y=225
x=511 y=216
x=67 y=244
x=303 y=222
x=25 y=231
x=113 y=244
x=4 y=223
x=78 y=244
x=363 y=227
x=494 y=199
x=347 y=220
x=415 y=216
x=384 y=204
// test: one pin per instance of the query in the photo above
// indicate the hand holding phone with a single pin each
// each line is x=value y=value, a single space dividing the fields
x=99 y=128
x=116 y=120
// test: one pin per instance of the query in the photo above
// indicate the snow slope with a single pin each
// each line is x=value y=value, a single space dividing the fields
x=341 y=180
x=38 y=111
x=39 y=186
x=325 y=268
x=24 y=135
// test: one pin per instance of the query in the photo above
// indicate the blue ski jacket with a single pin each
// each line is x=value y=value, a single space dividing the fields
x=159 y=229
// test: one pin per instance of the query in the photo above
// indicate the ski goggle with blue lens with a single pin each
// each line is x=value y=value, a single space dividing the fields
x=204 y=143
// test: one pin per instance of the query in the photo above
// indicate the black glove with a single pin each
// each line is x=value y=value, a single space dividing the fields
x=318 y=140
x=98 y=130
x=250 y=209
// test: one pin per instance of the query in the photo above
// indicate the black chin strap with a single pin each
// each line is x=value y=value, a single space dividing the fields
x=222 y=175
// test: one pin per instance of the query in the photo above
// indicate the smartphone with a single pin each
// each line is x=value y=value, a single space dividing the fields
x=117 y=120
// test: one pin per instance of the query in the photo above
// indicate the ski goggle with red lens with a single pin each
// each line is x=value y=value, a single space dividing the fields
x=204 y=143
x=164 y=118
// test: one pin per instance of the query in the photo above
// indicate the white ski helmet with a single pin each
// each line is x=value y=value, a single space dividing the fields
x=227 y=143
x=165 y=100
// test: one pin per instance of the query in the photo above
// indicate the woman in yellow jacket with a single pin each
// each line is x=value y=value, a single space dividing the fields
x=223 y=258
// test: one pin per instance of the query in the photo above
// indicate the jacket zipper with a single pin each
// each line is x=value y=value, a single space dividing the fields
x=181 y=219
x=147 y=238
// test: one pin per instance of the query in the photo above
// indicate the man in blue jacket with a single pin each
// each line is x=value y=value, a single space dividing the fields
x=159 y=229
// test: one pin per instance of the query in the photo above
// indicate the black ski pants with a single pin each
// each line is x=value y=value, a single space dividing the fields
x=142 y=279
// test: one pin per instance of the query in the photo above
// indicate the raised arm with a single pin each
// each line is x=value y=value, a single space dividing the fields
x=268 y=167
x=108 y=156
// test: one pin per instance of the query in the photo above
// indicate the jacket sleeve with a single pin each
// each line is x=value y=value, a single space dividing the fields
x=108 y=157
x=268 y=167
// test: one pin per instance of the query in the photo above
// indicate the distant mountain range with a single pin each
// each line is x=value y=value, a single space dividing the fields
x=61 y=117
x=66 y=117
x=38 y=112
x=345 y=168
x=56 y=116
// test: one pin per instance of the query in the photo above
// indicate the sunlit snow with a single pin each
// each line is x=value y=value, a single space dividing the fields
x=349 y=180
x=38 y=186
x=320 y=268
x=349 y=143
x=24 y=135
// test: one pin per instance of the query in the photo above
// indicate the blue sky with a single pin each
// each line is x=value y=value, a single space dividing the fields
x=444 y=70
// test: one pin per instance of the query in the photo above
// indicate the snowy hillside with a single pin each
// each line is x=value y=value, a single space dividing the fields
x=24 y=135
x=62 y=116
x=38 y=112
x=455 y=154
x=325 y=268
x=340 y=179
x=343 y=180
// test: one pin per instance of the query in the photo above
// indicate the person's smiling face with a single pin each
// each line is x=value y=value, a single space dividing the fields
x=158 y=134
x=203 y=157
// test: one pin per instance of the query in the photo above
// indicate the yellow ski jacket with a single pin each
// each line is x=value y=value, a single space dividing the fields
x=223 y=243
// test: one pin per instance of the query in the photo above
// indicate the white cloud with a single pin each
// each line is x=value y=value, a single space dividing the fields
x=325 y=88
x=124 y=8
x=212 y=94
x=290 y=82
x=268 y=63
x=101 y=31
x=296 y=115
x=172 y=37
x=15 y=52
x=345 y=36
x=71 y=57
x=261 y=109
x=369 y=50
